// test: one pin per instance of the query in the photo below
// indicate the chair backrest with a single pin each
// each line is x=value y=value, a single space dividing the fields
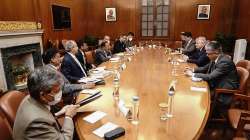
x=6 y=131
x=244 y=64
x=243 y=74
x=90 y=57
x=9 y=104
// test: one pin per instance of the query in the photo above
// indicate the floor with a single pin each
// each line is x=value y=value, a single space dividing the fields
x=217 y=131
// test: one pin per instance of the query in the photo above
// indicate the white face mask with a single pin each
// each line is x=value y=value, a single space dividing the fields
x=57 y=98
x=130 y=39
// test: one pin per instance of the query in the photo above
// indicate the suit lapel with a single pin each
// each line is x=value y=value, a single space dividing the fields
x=46 y=110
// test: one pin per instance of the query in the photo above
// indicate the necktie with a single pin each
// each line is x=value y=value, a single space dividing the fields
x=211 y=67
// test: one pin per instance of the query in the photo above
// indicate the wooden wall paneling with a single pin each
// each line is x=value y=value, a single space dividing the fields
x=242 y=19
x=14 y=10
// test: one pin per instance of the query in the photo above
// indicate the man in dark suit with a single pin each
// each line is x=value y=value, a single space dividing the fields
x=34 y=119
x=188 y=43
x=199 y=57
x=52 y=59
x=120 y=45
x=80 y=55
x=71 y=67
x=102 y=54
x=221 y=72
x=129 y=40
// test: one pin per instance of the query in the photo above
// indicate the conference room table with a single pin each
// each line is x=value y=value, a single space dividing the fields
x=148 y=75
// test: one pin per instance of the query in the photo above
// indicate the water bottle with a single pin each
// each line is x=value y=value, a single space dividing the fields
x=171 y=93
x=116 y=83
x=135 y=116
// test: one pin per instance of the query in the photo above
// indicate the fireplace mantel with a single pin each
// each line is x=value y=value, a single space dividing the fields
x=18 y=33
x=15 y=39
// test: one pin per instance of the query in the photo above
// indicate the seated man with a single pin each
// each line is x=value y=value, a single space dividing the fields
x=199 y=57
x=221 y=72
x=71 y=67
x=34 y=119
x=102 y=54
x=189 y=43
x=120 y=45
x=129 y=40
x=80 y=55
x=52 y=59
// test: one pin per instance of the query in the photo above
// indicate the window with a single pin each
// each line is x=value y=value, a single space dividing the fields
x=154 y=18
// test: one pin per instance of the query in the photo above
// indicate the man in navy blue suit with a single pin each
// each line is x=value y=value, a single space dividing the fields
x=199 y=57
x=71 y=67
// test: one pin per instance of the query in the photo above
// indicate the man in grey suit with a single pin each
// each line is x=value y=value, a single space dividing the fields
x=34 y=121
x=188 y=43
x=221 y=72
x=102 y=54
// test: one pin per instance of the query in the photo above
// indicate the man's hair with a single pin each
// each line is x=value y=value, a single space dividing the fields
x=80 y=43
x=214 y=46
x=131 y=33
x=103 y=44
x=69 y=45
x=49 y=54
x=187 y=34
x=41 y=80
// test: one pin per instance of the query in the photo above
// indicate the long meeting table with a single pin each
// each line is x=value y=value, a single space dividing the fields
x=148 y=75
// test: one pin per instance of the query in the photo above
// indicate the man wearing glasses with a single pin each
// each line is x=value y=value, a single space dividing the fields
x=221 y=72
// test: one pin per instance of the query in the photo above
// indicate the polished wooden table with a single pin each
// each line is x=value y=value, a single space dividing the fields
x=148 y=75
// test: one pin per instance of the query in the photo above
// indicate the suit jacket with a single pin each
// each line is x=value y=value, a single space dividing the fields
x=222 y=74
x=189 y=48
x=119 y=47
x=34 y=121
x=82 y=59
x=128 y=44
x=68 y=88
x=101 y=56
x=70 y=69
x=199 y=57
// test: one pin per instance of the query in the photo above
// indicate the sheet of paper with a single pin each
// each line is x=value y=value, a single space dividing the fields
x=195 y=79
x=89 y=91
x=104 y=129
x=88 y=79
x=114 y=59
x=199 y=89
x=94 y=117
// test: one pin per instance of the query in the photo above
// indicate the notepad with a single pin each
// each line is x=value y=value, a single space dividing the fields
x=199 y=89
x=94 y=117
x=89 y=91
x=104 y=129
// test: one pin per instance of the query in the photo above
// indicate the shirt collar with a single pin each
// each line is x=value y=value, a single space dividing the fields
x=217 y=59
x=54 y=67
x=48 y=107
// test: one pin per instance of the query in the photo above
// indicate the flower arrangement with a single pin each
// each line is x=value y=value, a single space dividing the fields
x=19 y=69
x=20 y=73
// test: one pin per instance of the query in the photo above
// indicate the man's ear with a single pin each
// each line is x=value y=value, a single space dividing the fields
x=44 y=98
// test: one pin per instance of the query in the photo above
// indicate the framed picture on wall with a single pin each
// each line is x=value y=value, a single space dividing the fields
x=110 y=14
x=203 y=11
